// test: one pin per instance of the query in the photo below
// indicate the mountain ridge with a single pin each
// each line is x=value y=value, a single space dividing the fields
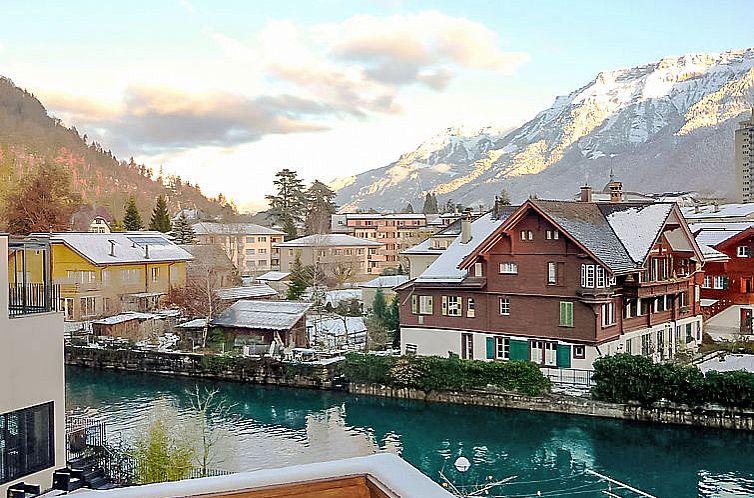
x=665 y=125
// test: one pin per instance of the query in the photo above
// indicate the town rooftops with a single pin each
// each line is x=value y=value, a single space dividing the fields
x=736 y=211
x=122 y=247
x=125 y=317
x=209 y=228
x=273 y=276
x=268 y=315
x=385 y=282
x=328 y=240
x=248 y=292
x=368 y=216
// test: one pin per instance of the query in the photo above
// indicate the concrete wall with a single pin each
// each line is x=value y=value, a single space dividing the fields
x=31 y=369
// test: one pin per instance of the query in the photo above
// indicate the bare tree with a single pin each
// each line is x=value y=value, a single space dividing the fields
x=210 y=408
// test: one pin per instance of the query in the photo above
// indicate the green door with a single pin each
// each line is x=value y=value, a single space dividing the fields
x=564 y=356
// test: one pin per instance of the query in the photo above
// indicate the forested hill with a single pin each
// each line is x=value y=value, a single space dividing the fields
x=30 y=137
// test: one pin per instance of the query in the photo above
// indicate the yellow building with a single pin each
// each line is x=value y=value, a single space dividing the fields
x=102 y=274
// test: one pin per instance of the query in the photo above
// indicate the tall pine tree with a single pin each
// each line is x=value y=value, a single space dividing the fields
x=297 y=281
x=160 y=218
x=430 y=204
x=182 y=232
x=132 y=219
x=288 y=205
x=320 y=209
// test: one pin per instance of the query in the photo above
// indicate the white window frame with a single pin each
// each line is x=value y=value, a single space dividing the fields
x=505 y=306
x=508 y=268
x=453 y=305
x=425 y=305
x=155 y=274
x=718 y=282
x=552 y=272
x=608 y=314
x=478 y=269
x=552 y=235
x=470 y=308
x=743 y=252
x=707 y=284
x=502 y=348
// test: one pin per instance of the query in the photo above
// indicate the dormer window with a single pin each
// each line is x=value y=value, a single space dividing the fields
x=744 y=252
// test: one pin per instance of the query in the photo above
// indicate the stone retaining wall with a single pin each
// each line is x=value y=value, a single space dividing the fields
x=712 y=417
x=239 y=369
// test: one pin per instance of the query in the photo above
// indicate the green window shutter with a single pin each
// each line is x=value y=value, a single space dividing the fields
x=444 y=305
x=566 y=314
x=519 y=350
x=725 y=282
x=431 y=305
x=490 y=348
x=564 y=356
x=570 y=314
x=414 y=304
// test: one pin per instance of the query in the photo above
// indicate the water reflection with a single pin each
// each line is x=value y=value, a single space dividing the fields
x=271 y=427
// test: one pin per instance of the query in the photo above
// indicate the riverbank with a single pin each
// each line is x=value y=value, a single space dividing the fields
x=325 y=376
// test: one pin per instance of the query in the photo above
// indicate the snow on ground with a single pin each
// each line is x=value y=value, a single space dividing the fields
x=729 y=363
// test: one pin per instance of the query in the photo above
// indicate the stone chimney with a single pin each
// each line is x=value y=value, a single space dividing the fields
x=716 y=207
x=466 y=228
x=696 y=208
x=586 y=193
x=146 y=251
x=616 y=191
x=112 y=247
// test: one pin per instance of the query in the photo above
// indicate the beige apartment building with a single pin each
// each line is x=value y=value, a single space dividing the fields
x=249 y=246
x=336 y=254
x=745 y=158
x=32 y=389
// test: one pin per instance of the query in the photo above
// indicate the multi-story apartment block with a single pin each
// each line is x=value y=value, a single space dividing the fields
x=560 y=283
x=336 y=254
x=249 y=246
x=32 y=389
x=102 y=274
x=396 y=232
x=744 y=143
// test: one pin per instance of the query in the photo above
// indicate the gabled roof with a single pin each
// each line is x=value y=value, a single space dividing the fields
x=735 y=238
x=122 y=247
x=267 y=315
x=328 y=240
x=273 y=276
x=385 y=282
x=248 y=292
x=209 y=228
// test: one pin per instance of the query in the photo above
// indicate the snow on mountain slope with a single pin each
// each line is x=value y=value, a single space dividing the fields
x=661 y=126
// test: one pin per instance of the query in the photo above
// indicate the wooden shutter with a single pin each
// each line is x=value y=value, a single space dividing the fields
x=563 y=356
x=566 y=313
x=519 y=350
x=490 y=348
x=444 y=305
x=414 y=304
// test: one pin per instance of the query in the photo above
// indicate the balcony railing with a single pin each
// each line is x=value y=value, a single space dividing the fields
x=27 y=299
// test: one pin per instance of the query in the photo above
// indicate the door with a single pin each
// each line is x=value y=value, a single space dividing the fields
x=467 y=346
x=746 y=285
x=745 y=324
x=537 y=352
x=551 y=354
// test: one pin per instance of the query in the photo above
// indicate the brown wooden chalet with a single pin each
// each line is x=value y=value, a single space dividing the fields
x=560 y=283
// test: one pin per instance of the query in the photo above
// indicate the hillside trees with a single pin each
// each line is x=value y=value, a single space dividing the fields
x=132 y=218
x=160 y=217
x=430 y=204
x=320 y=208
x=182 y=232
x=288 y=205
x=42 y=202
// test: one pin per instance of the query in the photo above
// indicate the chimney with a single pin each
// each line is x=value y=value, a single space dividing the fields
x=146 y=251
x=616 y=191
x=112 y=247
x=716 y=207
x=696 y=208
x=466 y=228
x=496 y=208
x=586 y=193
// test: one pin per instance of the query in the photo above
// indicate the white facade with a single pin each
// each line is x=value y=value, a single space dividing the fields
x=31 y=374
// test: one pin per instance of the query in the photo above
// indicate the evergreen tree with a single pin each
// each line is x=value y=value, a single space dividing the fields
x=430 y=204
x=288 y=206
x=504 y=198
x=297 y=282
x=320 y=208
x=160 y=218
x=182 y=232
x=392 y=321
x=409 y=209
x=117 y=226
x=132 y=219
x=379 y=305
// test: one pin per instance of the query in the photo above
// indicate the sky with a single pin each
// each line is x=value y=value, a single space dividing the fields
x=226 y=93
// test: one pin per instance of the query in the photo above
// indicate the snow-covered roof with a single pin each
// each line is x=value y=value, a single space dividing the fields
x=710 y=253
x=122 y=247
x=729 y=363
x=125 y=317
x=745 y=210
x=196 y=323
x=423 y=247
x=367 y=216
x=328 y=240
x=738 y=226
x=209 y=228
x=273 y=276
x=333 y=297
x=269 y=315
x=336 y=325
x=445 y=267
x=385 y=282
x=637 y=227
x=714 y=237
x=251 y=291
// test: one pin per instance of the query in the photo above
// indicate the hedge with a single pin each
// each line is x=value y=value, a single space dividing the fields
x=626 y=378
x=433 y=373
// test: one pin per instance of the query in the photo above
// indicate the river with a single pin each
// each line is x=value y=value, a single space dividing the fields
x=272 y=427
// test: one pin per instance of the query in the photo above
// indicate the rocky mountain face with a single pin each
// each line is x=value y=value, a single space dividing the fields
x=668 y=125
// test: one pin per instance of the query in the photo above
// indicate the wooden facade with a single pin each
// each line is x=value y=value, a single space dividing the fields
x=732 y=281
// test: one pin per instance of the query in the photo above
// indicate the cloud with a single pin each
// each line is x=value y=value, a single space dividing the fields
x=156 y=119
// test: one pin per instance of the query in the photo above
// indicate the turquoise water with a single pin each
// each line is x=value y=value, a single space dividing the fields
x=273 y=427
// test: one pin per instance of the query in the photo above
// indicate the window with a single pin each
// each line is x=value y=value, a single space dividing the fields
x=659 y=267
x=251 y=251
x=88 y=306
x=579 y=352
x=467 y=346
x=505 y=306
x=608 y=314
x=707 y=282
x=81 y=277
x=261 y=262
x=155 y=275
x=502 y=348
x=659 y=304
x=27 y=441
x=508 y=268
x=263 y=251
x=552 y=273
x=105 y=276
x=451 y=305
x=600 y=277
x=552 y=235
x=130 y=275
x=744 y=252
x=250 y=240
x=261 y=239
x=421 y=305
x=631 y=308
x=646 y=344
x=683 y=299
x=470 y=308
x=527 y=235
x=478 y=269
x=720 y=282
x=587 y=276
x=566 y=314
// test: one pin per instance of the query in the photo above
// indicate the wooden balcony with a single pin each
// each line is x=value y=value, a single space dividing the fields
x=634 y=289
x=592 y=295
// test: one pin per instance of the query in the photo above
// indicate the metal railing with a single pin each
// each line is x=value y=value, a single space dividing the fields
x=27 y=299
x=569 y=376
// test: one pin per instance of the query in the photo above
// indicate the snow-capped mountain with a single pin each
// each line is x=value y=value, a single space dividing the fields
x=661 y=126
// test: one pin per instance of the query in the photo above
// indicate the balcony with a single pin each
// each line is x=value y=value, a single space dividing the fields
x=595 y=294
x=634 y=288
x=30 y=289
x=27 y=299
